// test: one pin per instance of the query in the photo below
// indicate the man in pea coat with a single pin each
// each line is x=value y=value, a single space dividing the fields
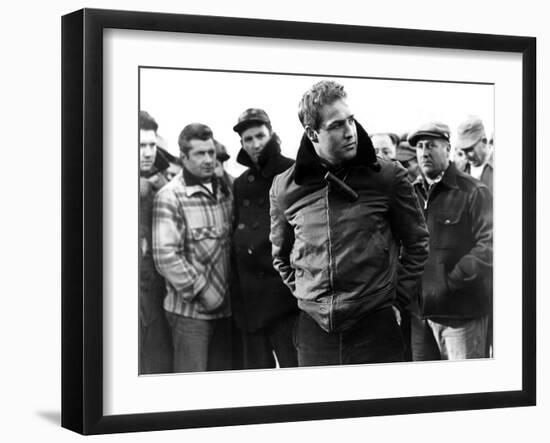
x=263 y=307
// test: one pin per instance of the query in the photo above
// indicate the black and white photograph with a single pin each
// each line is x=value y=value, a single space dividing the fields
x=291 y=221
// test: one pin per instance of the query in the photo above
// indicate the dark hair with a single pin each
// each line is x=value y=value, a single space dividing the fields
x=146 y=122
x=320 y=94
x=194 y=131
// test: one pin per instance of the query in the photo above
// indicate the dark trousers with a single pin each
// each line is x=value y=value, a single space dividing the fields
x=376 y=338
x=155 y=351
x=261 y=347
x=200 y=345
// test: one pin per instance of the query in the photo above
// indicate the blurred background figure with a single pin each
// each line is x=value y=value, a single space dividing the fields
x=460 y=160
x=221 y=157
x=385 y=144
x=491 y=150
x=174 y=161
x=155 y=350
x=472 y=140
x=406 y=155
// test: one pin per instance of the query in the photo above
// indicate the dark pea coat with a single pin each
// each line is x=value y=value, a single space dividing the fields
x=259 y=296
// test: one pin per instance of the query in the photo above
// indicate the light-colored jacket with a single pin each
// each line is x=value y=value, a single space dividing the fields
x=191 y=247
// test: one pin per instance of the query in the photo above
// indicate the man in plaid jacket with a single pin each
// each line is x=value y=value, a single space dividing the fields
x=191 y=245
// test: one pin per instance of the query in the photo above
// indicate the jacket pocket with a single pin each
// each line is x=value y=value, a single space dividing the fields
x=447 y=233
x=207 y=243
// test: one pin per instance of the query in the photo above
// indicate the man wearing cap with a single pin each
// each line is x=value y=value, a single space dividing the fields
x=191 y=247
x=450 y=318
x=263 y=306
x=338 y=217
x=471 y=139
x=406 y=155
x=155 y=344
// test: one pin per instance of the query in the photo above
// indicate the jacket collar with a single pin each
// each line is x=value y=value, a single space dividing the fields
x=309 y=166
x=448 y=179
x=267 y=160
x=194 y=185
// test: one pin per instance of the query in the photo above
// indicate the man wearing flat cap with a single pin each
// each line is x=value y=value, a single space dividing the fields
x=450 y=318
x=406 y=155
x=472 y=140
x=263 y=307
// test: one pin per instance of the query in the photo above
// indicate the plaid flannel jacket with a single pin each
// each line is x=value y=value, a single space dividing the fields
x=191 y=248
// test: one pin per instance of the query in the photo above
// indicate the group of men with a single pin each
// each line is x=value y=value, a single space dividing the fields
x=341 y=256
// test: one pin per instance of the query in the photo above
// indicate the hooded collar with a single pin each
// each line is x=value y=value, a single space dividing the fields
x=310 y=167
x=267 y=160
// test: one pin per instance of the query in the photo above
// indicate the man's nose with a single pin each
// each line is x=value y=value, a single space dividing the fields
x=149 y=151
x=349 y=129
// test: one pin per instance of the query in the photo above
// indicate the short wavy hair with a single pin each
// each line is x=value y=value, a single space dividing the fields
x=146 y=122
x=320 y=94
x=194 y=131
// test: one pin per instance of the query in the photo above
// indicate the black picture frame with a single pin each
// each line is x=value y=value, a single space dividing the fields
x=82 y=220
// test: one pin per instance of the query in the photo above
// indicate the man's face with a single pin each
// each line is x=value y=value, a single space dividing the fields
x=201 y=158
x=336 y=138
x=460 y=159
x=147 y=149
x=477 y=153
x=383 y=146
x=412 y=167
x=432 y=155
x=254 y=140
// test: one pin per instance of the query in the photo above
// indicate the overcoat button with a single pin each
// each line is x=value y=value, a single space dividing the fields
x=246 y=203
x=241 y=226
x=251 y=178
x=250 y=251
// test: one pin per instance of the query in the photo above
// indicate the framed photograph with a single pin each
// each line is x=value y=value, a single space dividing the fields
x=135 y=85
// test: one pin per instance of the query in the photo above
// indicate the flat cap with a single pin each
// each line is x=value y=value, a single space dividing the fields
x=251 y=115
x=469 y=133
x=431 y=129
x=405 y=152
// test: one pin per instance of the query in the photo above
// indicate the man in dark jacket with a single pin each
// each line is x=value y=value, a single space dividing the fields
x=263 y=307
x=155 y=343
x=451 y=317
x=338 y=217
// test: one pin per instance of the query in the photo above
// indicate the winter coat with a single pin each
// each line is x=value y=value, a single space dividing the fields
x=340 y=257
x=259 y=296
x=457 y=280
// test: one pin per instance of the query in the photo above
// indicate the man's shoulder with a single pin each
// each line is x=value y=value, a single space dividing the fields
x=467 y=183
x=286 y=177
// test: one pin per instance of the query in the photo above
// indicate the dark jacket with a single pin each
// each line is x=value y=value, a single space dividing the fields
x=258 y=294
x=486 y=176
x=151 y=284
x=457 y=280
x=340 y=257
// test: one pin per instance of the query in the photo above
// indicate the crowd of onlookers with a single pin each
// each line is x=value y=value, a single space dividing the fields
x=364 y=248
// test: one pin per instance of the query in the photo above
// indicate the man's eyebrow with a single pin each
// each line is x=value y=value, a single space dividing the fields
x=341 y=120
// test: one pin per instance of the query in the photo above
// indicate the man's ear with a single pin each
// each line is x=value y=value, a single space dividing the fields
x=312 y=134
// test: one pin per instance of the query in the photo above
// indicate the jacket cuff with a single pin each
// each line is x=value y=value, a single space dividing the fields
x=199 y=285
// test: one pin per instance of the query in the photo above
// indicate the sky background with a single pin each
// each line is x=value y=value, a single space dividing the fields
x=177 y=97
